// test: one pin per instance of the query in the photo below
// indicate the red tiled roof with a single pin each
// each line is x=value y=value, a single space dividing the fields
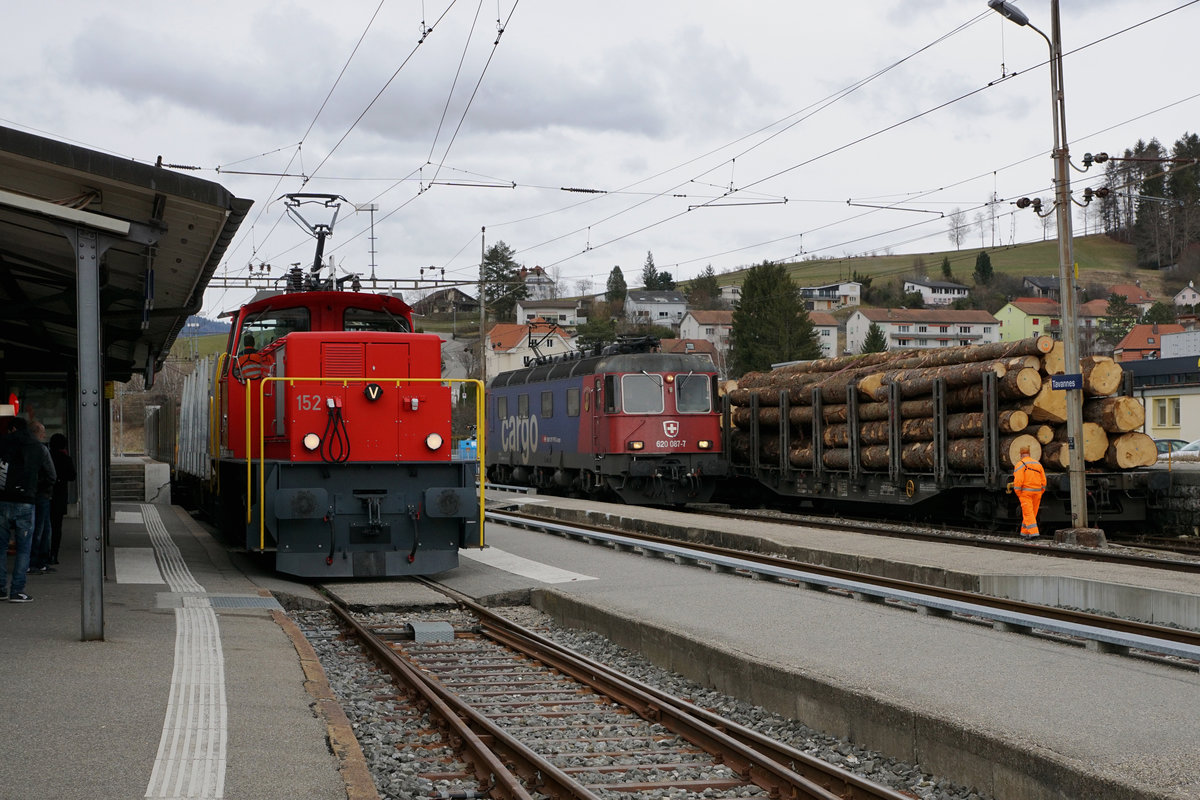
x=713 y=317
x=822 y=319
x=508 y=335
x=927 y=315
x=1036 y=305
x=1139 y=336
x=698 y=346
x=1094 y=308
x=1133 y=293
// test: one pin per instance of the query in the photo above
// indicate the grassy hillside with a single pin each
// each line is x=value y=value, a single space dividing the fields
x=1101 y=261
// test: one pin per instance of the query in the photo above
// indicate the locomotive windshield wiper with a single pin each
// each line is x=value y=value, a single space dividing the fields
x=660 y=378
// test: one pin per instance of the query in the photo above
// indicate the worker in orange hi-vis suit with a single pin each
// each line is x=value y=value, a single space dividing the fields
x=1029 y=481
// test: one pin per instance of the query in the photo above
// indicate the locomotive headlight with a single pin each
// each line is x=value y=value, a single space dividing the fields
x=704 y=444
x=635 y=445
x=433 y=441
x=311 y=441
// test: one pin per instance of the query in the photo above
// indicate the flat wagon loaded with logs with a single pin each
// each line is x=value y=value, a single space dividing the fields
x=906 y=427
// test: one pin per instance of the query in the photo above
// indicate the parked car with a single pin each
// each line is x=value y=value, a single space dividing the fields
x=1191 y=448
x=1189 y=451
x=1169 y=445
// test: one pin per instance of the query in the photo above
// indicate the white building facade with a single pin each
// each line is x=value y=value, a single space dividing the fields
x=655 y=307
x=936 y=293
x=832 y=296
x=922 y=327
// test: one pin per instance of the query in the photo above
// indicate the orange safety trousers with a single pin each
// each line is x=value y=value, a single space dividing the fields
x=1030 y=501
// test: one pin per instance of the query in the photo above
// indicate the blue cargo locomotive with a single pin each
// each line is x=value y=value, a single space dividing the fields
x=627 y=421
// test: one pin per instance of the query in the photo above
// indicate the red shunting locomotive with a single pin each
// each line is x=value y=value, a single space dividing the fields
x=323 y=436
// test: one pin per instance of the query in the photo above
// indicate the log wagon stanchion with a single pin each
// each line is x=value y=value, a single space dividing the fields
x=936 y=433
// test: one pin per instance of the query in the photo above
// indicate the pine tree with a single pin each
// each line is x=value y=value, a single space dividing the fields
x=947 y=273
x=704 y=292
x=616 y=288
x=770 y=324
x=502 y=284
x=1119 y=318
x=983 y=268
x=649 y=273
x=875 y=341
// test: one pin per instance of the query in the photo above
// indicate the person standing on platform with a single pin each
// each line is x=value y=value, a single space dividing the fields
x=64 y=469
x=22 y=453
x=1029 y=481
x=39 y=555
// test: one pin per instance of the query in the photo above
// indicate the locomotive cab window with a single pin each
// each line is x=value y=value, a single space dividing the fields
x=610 y=393
x=261 y=329
x=522 y=406
x=692 y=394
x=364 y=319
x=642 y=394
x=547 y=405
x=502 y=407
x=573 y=402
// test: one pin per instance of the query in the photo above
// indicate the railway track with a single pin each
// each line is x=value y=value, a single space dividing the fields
x=513 y=715
x=1107 y=633
x=1045 y=546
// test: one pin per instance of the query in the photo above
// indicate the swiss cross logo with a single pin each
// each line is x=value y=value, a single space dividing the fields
x=671 y=428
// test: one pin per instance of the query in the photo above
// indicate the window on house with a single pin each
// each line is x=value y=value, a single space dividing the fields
x=922 y=328
x=709 y=331
x=825 y=331
x=902 y=328
x=943 y=329
x=964 y=329
x=1149 y=340
x=1036 y=321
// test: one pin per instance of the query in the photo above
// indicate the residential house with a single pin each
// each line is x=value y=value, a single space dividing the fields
x=1029 y=316
x=447 y=301
x=1187 y=296
x=832 y=296
x=731 y=294
x=658 y=307
x=922 y=327
x=1169 y=388
x=563 y=311
x=1186 y=343
x=513 y=346
x=712 y=326
x=1034 y=316
x=694 y=347
x=826 y=326
x=1041 y=286
x=936 y=293
x=538 y=285
x=1134 y=294
x=1144 y=341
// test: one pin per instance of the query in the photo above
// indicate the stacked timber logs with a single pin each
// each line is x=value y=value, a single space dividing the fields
x=1028 y=411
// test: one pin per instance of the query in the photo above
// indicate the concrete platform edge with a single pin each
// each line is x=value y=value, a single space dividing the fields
x=991 y=765
x=352 y=763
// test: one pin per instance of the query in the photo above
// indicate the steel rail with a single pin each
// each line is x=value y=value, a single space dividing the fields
x=666 y=708
x=964 y=538
x=1178 y=642
x=472 y=728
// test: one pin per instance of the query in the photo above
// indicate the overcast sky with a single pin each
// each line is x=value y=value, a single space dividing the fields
x=691 y=121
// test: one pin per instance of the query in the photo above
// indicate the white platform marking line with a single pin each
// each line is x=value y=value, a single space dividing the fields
x=500 y=559
x=191 y=753
x=136 y=565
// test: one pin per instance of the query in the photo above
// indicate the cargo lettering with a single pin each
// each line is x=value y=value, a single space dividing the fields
x=519 y=435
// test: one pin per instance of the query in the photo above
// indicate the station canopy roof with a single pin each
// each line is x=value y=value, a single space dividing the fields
x=166 y=234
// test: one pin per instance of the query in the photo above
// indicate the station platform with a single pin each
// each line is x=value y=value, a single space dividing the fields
x=1017 y=716
x=200 y=688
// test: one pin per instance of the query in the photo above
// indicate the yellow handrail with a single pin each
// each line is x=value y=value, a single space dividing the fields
x=262 y=477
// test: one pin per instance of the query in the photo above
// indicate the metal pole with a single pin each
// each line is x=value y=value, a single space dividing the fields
x=482 y=309
x=89 y=248
x=1066 y=276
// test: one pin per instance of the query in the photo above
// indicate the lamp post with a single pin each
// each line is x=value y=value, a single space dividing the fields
x=1066 y=261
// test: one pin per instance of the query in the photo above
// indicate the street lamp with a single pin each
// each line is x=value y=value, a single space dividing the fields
x=1073 y=380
